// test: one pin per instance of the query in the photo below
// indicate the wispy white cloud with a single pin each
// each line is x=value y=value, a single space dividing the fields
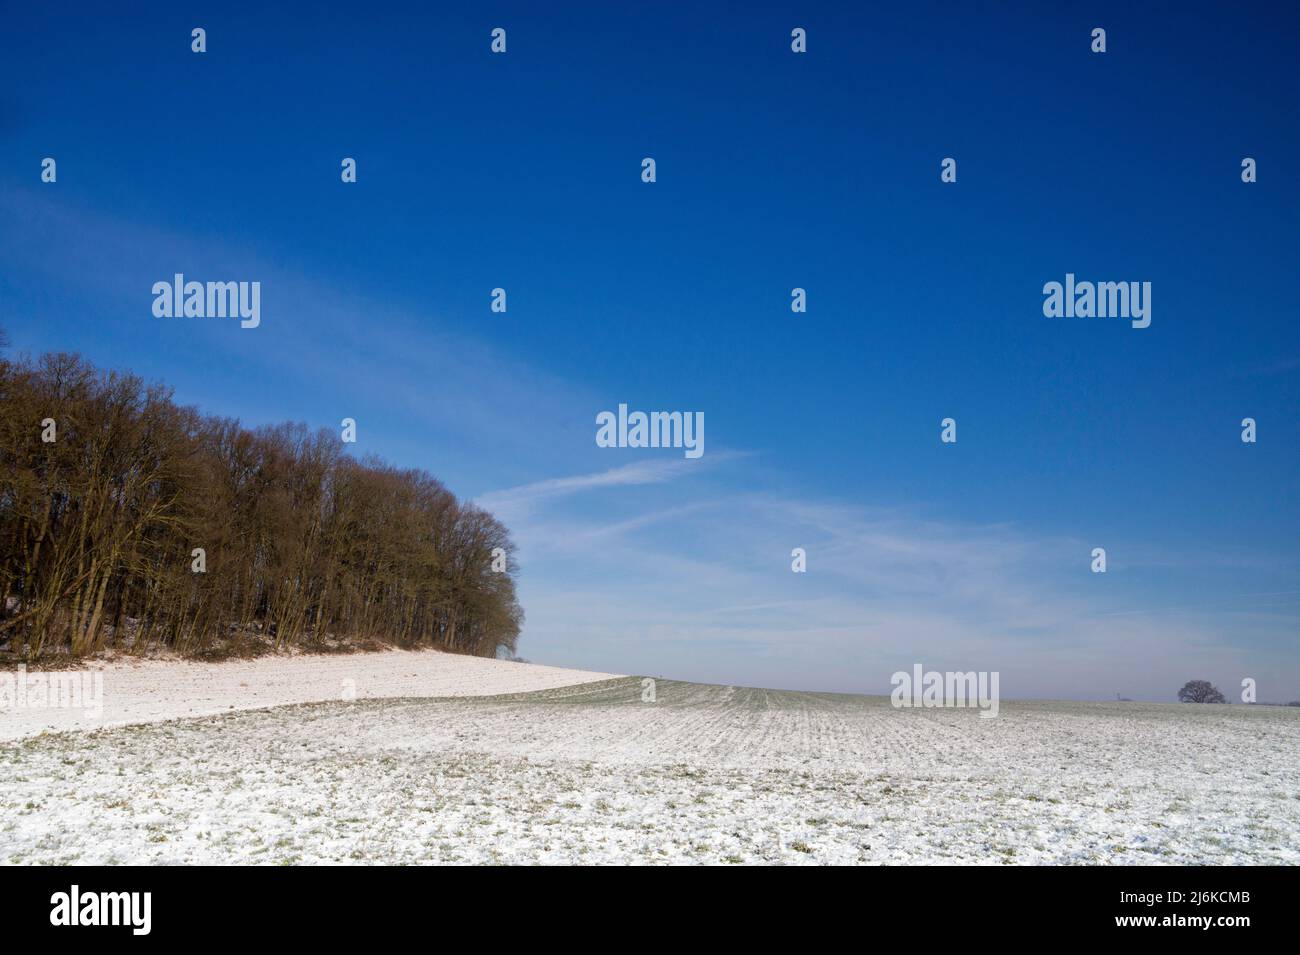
x=702 y=588
x=522 y=499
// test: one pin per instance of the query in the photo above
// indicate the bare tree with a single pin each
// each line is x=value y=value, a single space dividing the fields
x=1200 y=691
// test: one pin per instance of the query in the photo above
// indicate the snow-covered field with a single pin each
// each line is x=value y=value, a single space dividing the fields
x=590 y=773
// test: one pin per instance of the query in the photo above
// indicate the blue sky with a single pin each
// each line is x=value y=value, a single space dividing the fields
x=775 y=170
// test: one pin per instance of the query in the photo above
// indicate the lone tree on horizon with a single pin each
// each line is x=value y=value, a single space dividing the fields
x=1200 y=691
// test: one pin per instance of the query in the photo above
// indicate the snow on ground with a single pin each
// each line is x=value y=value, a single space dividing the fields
x=591 y=773
x=139 y=691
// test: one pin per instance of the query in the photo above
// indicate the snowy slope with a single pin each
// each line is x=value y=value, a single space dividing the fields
x=138 y=691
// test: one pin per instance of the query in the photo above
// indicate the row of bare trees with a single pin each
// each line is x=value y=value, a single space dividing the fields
x=109 y=491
